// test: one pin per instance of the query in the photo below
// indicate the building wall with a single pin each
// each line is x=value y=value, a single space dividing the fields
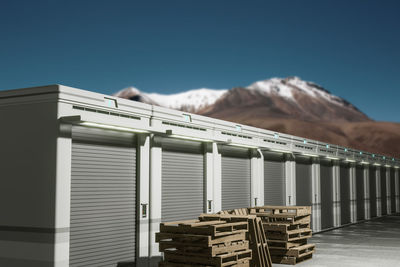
x=28 y=161
x=36 y=168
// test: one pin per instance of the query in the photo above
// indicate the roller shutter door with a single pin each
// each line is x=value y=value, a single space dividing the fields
x=326 y=195
x=372 y=191
x=182 y=179
x=235 y=170
x=303 y=182
x=393 y=190
x=383 y=191
x=345 y=193
x=360 y=193
x=103 y=198
x=274 y=180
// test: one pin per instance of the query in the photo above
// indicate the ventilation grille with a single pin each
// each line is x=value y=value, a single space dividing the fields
x=237 y=135
x=275 y=142
x=184 y=126
x=332 y=152
x=310 y=148
x=106 y=112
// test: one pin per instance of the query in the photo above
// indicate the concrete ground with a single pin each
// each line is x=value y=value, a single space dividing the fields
x=373 y=243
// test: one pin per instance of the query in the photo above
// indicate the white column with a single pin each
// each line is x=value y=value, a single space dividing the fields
x=290 y=176
x=316 y=196
x=155 y=195
x=336 y=194
x=397 y=183
x=217 y=179
x=367 y=207
x=257 y=178
x=378 y=192
x=209 y=177
x=143 y=181
x=388 y=192
x=353 y=194
x=63 y=195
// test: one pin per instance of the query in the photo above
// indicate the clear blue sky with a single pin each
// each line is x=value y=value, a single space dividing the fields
x=350 y=47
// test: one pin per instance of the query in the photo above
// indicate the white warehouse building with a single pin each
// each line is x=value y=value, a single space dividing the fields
x=86 y=178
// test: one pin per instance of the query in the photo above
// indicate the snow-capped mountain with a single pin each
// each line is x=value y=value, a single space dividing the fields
x=190 y=101
x=277 y=97
x=290 y=86
x=284 y=98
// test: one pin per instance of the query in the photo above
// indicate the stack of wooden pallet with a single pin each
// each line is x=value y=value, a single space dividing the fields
x=256 y=234
x=287 y=230
x=203 y=242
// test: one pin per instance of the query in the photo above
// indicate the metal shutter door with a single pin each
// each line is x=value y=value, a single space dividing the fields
x=345 y=194
x=235 y=168
x=326 y=195
x=393 y=190
x=103 y=198
x=383 y=191
x=274 y=180
x=372 y=191
x=182 y=180
x=303 y=182
x=360 y=193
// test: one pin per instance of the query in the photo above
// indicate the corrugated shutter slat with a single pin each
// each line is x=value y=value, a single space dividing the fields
x=326 y=195
x=274 y=183
x=235 y=165
x=182 y=180
x=345 y=194
x=103 y=198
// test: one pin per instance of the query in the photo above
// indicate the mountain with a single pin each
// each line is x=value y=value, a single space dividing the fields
x=189 y=101
x=284 y=98
x=289 y=105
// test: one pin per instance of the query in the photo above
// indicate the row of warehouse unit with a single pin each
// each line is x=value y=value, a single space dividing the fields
x=99 y=174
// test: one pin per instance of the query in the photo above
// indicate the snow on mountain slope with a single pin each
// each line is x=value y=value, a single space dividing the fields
x=191 y=100
x=288 y=87
x=273 y=86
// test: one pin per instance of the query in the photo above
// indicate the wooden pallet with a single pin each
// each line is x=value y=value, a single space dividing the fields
x=219 y=261
x=283 y=210
x=197 y=240
x=259 y=244
x=278 y=244
x=293 y=252
x=197 y=227
x=288 y=219
x=258 y=240
x=189 y=249
x=226 y=217
x=290 y=235
x=284 y=227
x=291 y=260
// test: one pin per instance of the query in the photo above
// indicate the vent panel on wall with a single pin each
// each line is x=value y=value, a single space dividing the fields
x=182 y=177
x=103 y=198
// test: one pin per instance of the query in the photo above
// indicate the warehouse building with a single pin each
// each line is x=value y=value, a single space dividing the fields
x=87 y=178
